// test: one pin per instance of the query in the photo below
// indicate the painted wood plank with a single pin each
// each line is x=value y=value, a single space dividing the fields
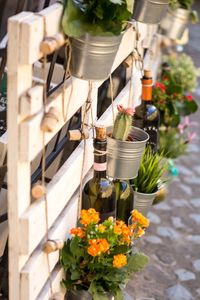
x=31 y=134
x=31 y=102
x=35 y=272
x=60 y=189
x=57 y=276
x=35 y=28
x=19 y=80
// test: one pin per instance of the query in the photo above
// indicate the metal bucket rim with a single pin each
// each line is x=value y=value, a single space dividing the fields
x=176 y=13
x=145 y=194
x=82 y=38
x=158 y=2
x=128 y=142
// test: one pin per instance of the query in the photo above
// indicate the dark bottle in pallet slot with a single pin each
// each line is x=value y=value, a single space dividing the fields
x=124 y=197
x=146 y=115
x=99 y=192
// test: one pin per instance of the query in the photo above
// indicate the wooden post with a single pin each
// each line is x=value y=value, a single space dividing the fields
x=19 y=80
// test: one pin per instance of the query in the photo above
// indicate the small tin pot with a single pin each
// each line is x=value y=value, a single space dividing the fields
x=123 y=157
x=93 y=56
x=175 y=23
x=143 y=202
x=149 y=11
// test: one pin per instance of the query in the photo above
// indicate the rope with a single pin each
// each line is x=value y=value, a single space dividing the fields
x=88 y=106
x=112 y=99
x=66 y=74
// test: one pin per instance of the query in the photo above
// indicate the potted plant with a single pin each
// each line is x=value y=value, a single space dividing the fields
x=178 y=16
x=149 y=11
x=98 y=259
x=145 y=185
x=125 y=146
x=171 y=94
x=95 y=30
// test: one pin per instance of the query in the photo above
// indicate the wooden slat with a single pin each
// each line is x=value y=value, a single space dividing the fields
x=60 y=189
x=31 y=134
x=57 y=276
x=31 y=102
x=35 y=28
x=19 y=80
x=35 y=273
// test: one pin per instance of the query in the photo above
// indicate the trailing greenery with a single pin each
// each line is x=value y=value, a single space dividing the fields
x=183 y=71
x=172 y=143
x=151 y=170
x=96 y=17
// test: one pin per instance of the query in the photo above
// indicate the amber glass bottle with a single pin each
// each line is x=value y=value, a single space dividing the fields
x=147 y=115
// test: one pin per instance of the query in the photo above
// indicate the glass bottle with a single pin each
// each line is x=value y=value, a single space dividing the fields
x=99 y=192
x=124 y=197
x=146 y=115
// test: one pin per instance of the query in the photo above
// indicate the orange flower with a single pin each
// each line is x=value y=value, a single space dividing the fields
x=78 y=231
x=94 y=250
x=89 y=216
x=137 y=217
x=119 y=261
x=101 y=228
x=117 y=230
x=98 y=246
x=103 y=244
x=140 y=232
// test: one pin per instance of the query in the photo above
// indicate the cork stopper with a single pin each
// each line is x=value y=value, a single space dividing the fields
x=148 y=74
x=100 y=133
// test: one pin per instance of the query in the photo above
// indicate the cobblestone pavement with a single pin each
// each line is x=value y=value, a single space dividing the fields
x=173 y=240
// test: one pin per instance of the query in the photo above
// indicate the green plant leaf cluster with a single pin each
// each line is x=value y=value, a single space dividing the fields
x=97 y=274
x=95 y=17
x=183 y=71
x=172 y=143
x=151 y=170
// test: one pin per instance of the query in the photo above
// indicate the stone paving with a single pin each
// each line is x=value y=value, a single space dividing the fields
x=173 y=240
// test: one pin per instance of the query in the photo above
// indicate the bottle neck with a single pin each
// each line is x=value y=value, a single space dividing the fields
x=146 y=89
x=100 y=163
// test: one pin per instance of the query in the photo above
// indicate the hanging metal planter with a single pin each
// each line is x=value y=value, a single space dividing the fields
x=143 y=202
x=149 y=11
x=175 y=23
x=93 y=56
x=161 y=194
x=123 y=157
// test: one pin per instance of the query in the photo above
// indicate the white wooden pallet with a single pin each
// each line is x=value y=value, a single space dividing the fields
x=28 y=272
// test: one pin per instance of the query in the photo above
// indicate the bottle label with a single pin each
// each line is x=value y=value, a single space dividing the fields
x=153 y=136
x=100 y=166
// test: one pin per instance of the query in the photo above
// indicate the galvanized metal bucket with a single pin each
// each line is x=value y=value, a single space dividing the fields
x=149 y=11
x=93 y=56
x=123 y=157
x=161 y=194
x=82 y=295
x=175 y=23
x=143 y=202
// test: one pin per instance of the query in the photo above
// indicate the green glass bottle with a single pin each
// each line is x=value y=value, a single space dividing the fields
x=99 y=192
x=124 y=197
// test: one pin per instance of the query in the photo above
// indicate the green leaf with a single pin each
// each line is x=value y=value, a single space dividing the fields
x=75 y=274
x=75 y=248
x=137 y=262
x=186 y=108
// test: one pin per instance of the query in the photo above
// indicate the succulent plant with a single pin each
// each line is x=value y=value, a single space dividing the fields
x=122 y=123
